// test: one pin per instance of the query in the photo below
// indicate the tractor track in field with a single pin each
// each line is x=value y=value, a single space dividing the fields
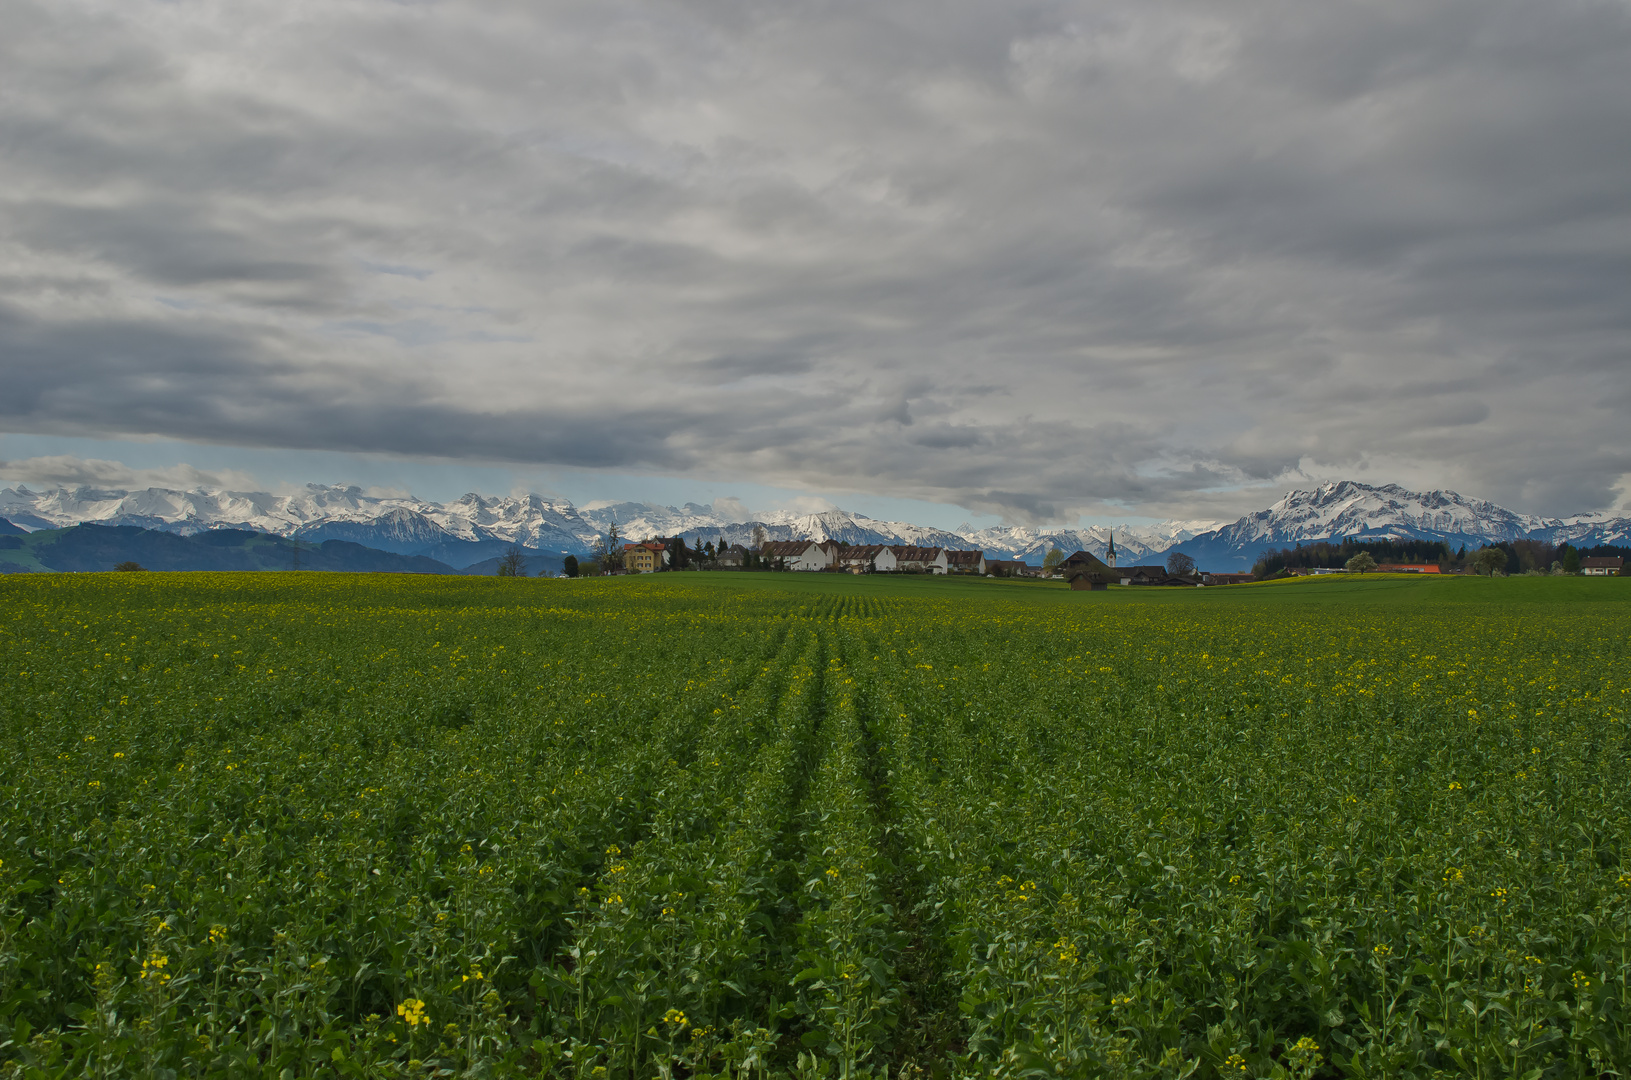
x=929 y=1027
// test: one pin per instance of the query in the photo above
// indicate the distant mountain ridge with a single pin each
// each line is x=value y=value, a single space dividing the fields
x=92 y=547
x=1347 y=508
x=475 y=528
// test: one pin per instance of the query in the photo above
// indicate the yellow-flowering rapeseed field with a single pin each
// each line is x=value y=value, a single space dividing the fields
x=293 y=825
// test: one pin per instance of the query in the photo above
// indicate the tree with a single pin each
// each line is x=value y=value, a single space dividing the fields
x=1571 y=559
x=758 y=537
x=513 y=564
x=569 y=566
x=129 y=567
x=1179 y=564
x=1051 y=561
x=1361 y=563
x=610 y=555
x=1488 y=560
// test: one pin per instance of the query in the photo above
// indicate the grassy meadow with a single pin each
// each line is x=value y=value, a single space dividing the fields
x=749 y=826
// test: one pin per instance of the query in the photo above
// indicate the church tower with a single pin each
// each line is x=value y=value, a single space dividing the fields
x=1110 y=553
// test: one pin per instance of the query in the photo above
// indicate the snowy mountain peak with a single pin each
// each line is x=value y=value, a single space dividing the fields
x=476 y=527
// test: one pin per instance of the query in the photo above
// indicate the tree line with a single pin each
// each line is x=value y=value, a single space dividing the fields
x=1509 y=557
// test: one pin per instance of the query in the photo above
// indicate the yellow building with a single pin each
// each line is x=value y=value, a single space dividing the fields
x=644 y=558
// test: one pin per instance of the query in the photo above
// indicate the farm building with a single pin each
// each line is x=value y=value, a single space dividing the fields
x=1010 y=568
x=1081 y=562
x=1094 y=580
x=1602 y=566
x=1156 y=575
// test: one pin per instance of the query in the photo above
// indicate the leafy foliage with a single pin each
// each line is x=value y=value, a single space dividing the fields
x=1322 y=554
x=313 y=825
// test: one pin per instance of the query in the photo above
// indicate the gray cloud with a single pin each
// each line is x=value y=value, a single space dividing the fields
x=62 y=470
x=1035 y=259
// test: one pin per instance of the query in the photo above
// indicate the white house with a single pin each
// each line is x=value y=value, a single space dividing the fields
x=866 y=558
x=1600 y=566
x=927 y=559
x=801 y=554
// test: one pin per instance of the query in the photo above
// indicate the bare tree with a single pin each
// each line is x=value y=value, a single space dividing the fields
x=1179 y=564
x=758 y=537
x=513 y=564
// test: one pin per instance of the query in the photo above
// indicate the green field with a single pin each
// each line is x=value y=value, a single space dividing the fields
x=292 y=825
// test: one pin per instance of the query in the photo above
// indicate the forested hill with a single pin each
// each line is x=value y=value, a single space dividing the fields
x=103 y=547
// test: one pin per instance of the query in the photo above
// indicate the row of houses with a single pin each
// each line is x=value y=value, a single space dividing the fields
x=871 y=558
x=1081 y=569
x=652 y=555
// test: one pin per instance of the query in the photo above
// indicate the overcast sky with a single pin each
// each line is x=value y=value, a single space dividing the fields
x=1029 y=260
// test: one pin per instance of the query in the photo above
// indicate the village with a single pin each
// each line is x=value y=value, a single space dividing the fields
x=1082 y=569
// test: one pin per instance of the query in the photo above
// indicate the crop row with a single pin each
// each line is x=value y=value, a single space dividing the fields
x=306 y=825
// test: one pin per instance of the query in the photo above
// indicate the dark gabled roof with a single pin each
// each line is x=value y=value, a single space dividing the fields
x=971 y=558
x=1083 y=561
x=860 y=552
x=1598 y=562
x=784 y=549
x=915 y=554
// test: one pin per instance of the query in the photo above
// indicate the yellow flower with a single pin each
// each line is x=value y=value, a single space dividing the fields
x=675 y=1017
x=412 y=1011
x=153 y=968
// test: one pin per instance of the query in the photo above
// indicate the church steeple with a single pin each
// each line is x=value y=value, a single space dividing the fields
x=1110 y=552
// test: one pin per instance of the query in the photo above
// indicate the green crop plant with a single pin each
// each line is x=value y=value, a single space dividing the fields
x=757 y=826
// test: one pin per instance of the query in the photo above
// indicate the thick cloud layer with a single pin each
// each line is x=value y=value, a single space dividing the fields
x=1032 y=258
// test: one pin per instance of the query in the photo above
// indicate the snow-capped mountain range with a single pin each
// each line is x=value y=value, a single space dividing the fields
x=1347 y=508
x=474 y=528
